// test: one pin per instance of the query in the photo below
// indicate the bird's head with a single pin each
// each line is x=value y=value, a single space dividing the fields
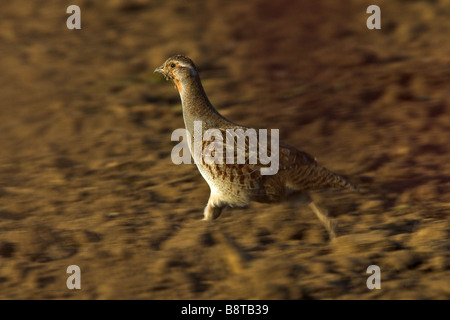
x=178 y=69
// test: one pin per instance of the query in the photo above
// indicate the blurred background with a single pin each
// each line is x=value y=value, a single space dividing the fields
x=86 y=176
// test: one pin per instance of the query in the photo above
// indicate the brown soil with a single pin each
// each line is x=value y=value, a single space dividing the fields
x=86 y=176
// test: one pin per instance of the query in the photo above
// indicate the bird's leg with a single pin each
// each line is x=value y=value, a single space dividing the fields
x=211 y=211
x=328 y=223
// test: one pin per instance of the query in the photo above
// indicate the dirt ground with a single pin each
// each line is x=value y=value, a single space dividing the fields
x=86 y=176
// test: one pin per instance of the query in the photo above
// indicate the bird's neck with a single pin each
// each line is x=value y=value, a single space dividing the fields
x=196 y=105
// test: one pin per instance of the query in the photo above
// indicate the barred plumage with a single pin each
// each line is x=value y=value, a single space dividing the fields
x=234 y=184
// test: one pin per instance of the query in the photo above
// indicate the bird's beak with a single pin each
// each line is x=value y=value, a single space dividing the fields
x=160 y=69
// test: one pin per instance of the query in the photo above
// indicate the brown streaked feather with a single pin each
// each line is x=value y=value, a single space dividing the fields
x=298 y=172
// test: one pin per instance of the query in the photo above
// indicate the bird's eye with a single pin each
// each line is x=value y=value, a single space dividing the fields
x=172 y=65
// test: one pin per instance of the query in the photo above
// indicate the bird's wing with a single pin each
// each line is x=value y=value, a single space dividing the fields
x=244 y=158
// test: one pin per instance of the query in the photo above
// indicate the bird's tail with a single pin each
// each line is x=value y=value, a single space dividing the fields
x=336 y=181
x=318 y=177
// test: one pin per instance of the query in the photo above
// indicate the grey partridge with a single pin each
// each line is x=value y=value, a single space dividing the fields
x=238 y=184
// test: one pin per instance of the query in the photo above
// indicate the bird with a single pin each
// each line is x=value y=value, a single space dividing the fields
x=237 y=184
